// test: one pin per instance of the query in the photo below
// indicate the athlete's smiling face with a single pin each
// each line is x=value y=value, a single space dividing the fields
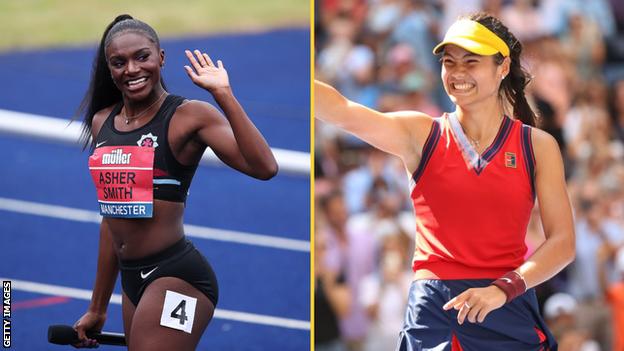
x=470 y=78
x=135 y=62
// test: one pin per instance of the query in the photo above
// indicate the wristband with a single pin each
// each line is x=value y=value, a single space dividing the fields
x=512 y=284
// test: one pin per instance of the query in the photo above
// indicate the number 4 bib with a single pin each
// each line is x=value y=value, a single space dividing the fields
x=178 y=311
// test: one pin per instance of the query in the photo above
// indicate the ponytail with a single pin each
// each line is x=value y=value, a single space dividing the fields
x=102 y=91
x=512 y=87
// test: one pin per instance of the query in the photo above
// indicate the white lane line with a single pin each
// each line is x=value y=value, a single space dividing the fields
x=53 y=211
x=82 y=294
x=246 y=238
x=60 y=130
x=79 y=215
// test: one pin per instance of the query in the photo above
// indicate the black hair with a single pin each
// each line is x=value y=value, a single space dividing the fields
x=512 y=87
x=102 y=91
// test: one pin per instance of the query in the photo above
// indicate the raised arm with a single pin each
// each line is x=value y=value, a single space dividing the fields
x=234 y=139
x=107 y=270
x=398 y=133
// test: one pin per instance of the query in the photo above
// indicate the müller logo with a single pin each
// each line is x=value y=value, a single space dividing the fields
x=116 y=157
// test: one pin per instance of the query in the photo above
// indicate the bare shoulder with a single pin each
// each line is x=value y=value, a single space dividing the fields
x=545 y=148
x=197 y=109
x=418 y=124
x=415 y=116
x=99 y=118
x=543 y=141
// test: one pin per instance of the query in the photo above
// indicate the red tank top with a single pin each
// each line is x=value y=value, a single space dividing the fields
x=472 y=210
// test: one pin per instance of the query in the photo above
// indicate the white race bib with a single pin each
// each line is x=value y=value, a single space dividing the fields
x=178 y=311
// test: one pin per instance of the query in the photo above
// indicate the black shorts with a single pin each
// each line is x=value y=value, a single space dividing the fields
x=181 y=260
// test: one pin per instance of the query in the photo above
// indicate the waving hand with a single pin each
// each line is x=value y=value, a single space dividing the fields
x=204 y=73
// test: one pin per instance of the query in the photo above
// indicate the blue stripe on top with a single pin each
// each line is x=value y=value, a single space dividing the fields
x=503 y=132
x=167 y=181
x=529 y=157
x=428 y=147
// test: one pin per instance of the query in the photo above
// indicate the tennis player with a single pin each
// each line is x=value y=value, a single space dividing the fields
x=475 y=174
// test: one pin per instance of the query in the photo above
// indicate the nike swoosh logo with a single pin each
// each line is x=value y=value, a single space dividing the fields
x=101 y=143
x=144 y=276
x=507 y=280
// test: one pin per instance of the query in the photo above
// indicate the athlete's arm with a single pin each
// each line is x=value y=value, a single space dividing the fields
x=556 y=212
x=107 y=270
x=398 y=133
x=234 y=139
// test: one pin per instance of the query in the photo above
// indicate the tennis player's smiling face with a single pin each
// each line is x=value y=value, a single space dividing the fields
x=469 y=78
x=135 y=63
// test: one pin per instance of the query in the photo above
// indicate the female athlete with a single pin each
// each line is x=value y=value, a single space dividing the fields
x=146 y=145
x=474 y=176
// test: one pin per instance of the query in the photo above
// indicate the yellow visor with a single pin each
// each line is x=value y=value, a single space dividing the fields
x=474 y=37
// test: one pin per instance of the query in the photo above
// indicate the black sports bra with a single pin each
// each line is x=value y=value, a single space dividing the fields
x=171 y=180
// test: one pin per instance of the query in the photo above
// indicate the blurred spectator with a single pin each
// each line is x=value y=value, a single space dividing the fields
x=593 y=231
x=453 y=9
x=617 y=109
x=614 y=289
x=617 y=7
x=382 y=16
x=552 y=87
x=384 y=294
x=556 y=12
x=352 y=252
x=494 y=7
x=598 y=12
x=583 y=44
x=358 y=182
x=384 y=216
x=523 y=19
x=332 y=301
x=561 y=313
x=328 y=10
x=418 y=28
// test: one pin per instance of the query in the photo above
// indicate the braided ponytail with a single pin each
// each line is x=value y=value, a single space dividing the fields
x=512 y=87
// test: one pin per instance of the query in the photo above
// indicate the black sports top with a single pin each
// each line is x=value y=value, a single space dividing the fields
x=171 y=179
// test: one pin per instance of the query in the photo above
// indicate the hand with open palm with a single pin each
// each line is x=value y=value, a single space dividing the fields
x=204 y=73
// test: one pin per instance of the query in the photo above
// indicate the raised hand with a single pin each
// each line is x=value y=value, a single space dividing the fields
x=204 y=73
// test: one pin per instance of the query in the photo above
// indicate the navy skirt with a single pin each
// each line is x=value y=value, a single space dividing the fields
x=516 y=326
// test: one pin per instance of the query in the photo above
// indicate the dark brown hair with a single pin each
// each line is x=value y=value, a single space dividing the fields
x=512 y=87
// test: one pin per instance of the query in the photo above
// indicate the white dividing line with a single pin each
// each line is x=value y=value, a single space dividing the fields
x=60 y=130
x=245 y=238
x=78 y=215
x=82 y=294
x=52 y=211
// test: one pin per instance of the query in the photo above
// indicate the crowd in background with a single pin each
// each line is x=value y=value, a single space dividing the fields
x=378 y=53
